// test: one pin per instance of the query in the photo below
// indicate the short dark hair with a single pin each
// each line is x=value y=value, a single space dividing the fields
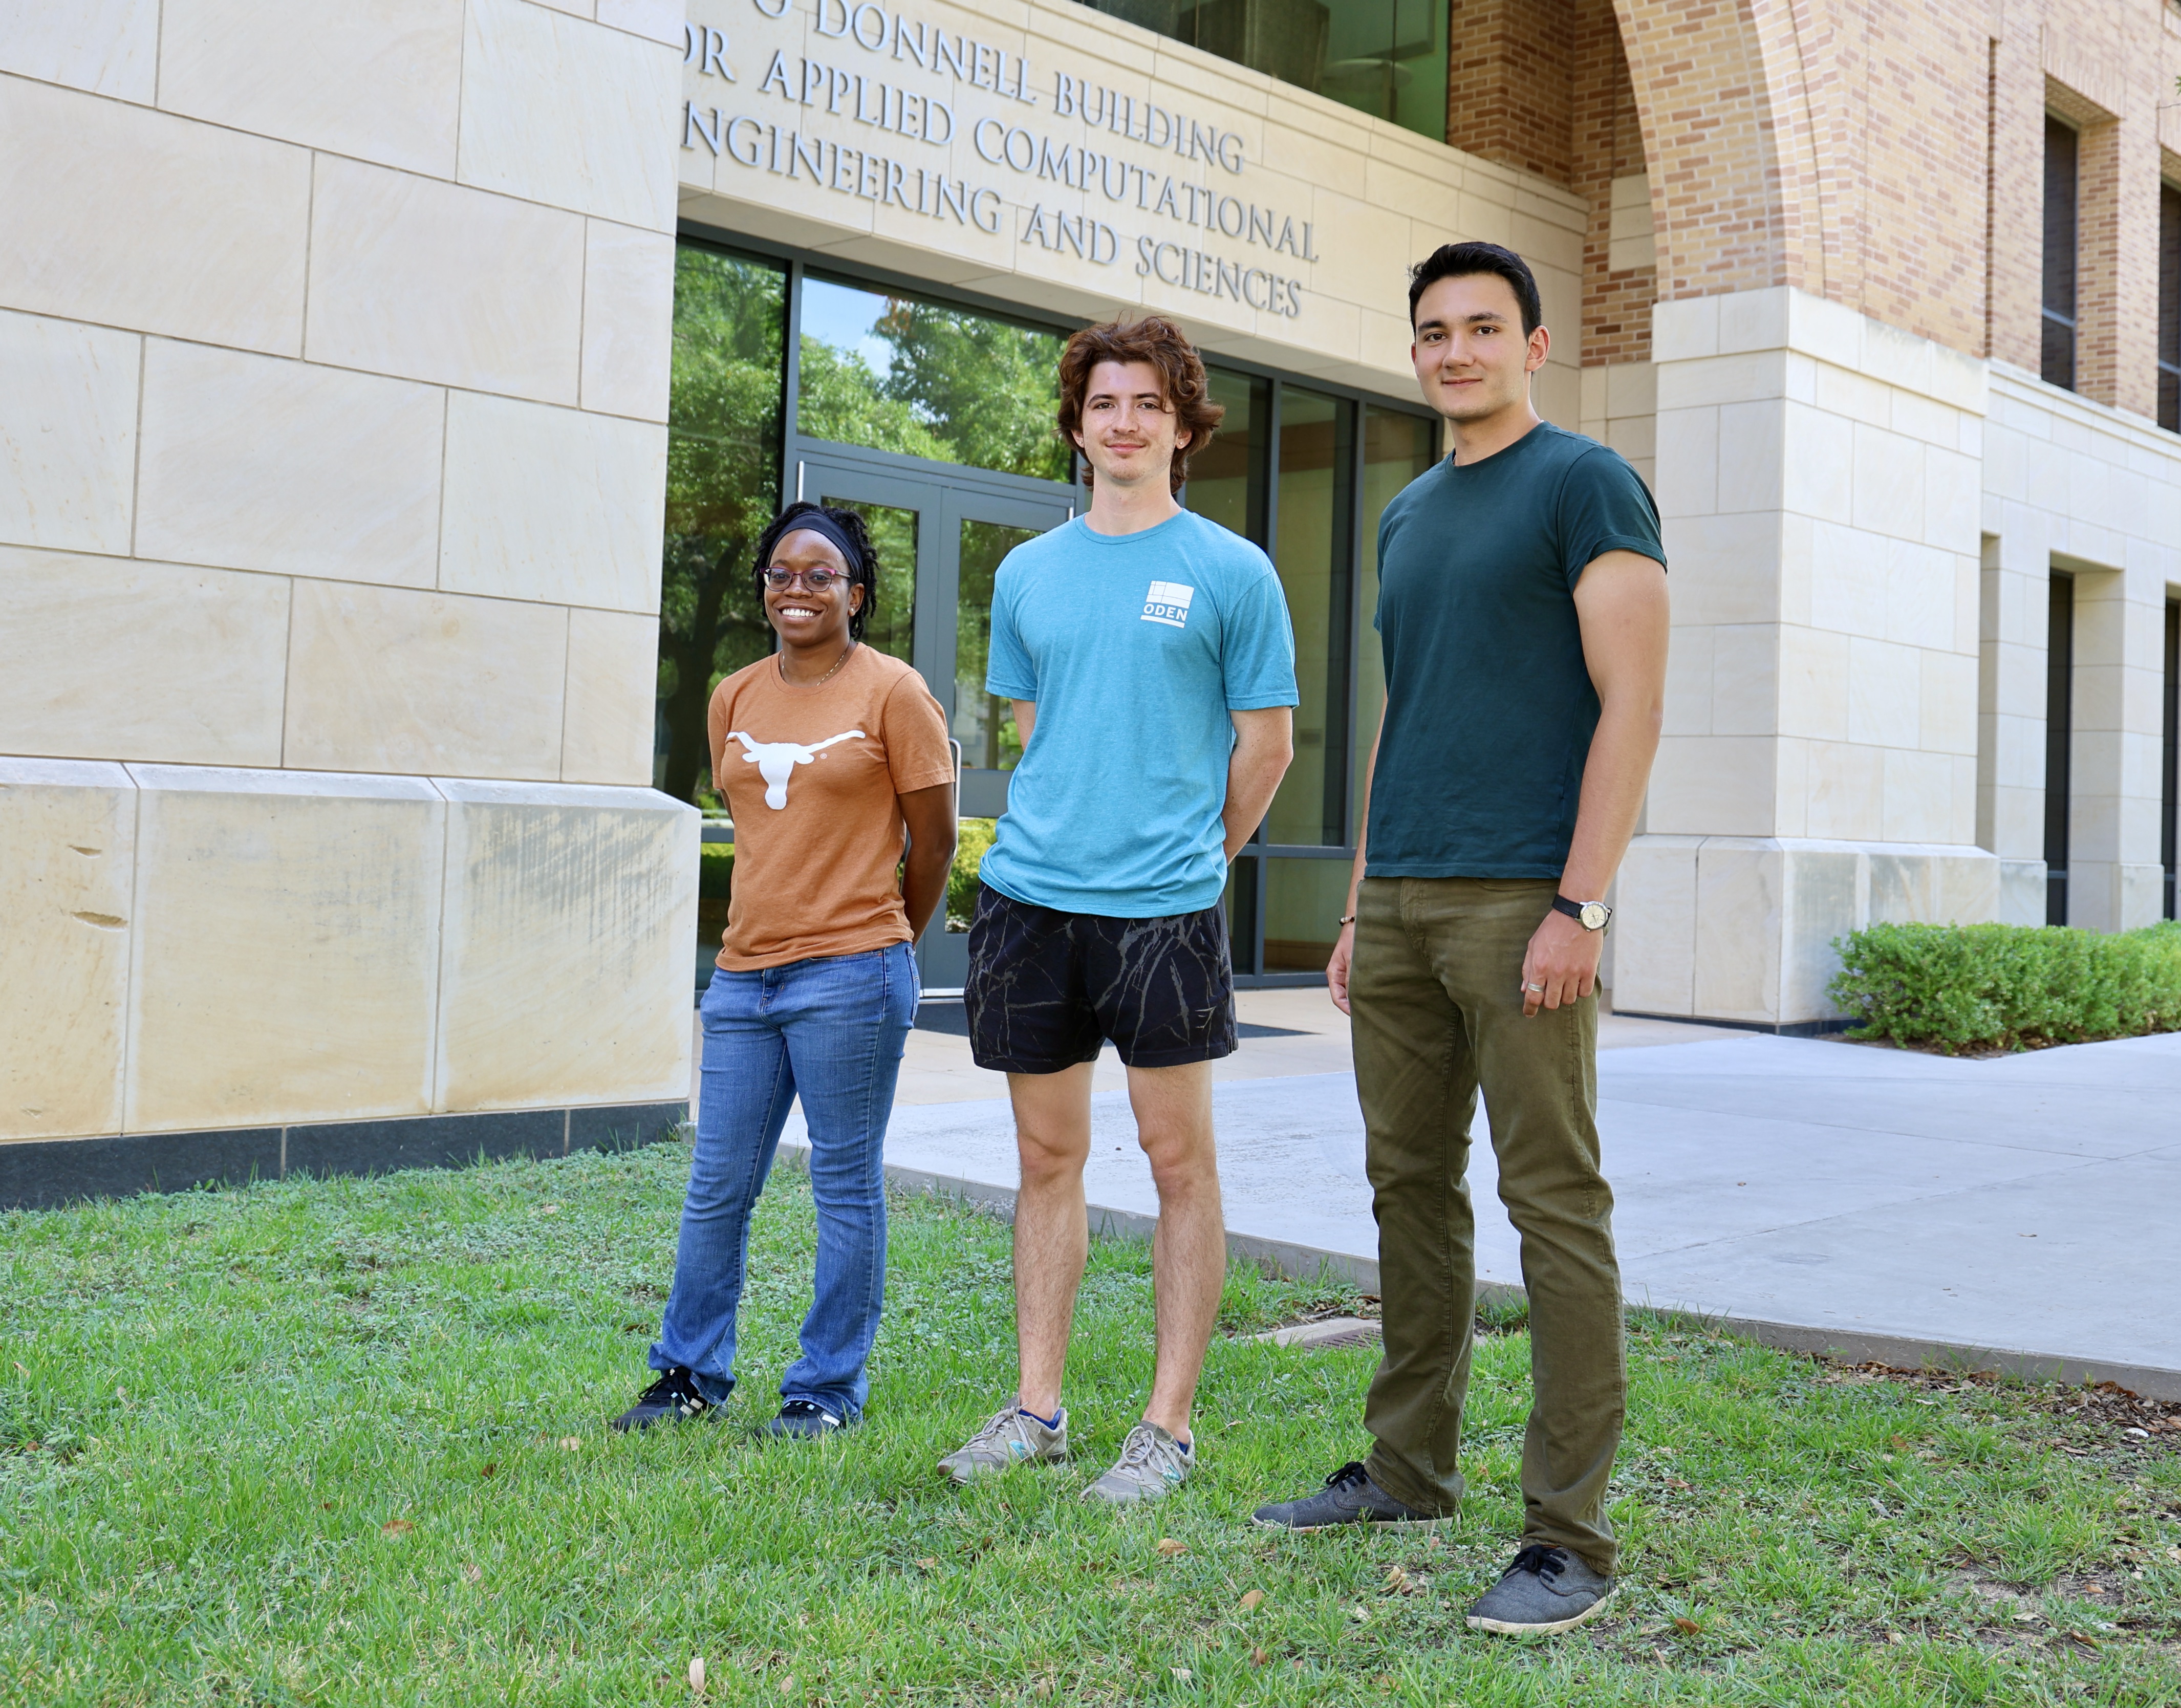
x=863 y=561
x=1466 y=260
x=1158 y=341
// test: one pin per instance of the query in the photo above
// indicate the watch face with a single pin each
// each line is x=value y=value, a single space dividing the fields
x=1594 y=915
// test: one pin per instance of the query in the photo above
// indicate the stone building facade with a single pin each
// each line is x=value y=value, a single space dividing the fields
x=336 y=345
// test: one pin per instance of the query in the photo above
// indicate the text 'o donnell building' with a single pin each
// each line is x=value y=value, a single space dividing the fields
x=391 y=398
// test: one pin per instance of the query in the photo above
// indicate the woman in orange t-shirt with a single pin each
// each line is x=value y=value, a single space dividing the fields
x=832 y=758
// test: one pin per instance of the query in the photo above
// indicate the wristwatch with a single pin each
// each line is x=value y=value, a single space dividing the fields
x=1590 y=915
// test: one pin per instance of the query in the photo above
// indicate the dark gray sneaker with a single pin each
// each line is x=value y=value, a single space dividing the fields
x=1545 y=1589
x=1348 y=1497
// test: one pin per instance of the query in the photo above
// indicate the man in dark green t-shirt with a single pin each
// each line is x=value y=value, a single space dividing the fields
x=1522 y=609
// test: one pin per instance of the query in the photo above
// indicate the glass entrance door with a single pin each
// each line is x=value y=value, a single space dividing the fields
x=941 y=532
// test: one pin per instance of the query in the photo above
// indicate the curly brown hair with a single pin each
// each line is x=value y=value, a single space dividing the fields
x=1159 y=342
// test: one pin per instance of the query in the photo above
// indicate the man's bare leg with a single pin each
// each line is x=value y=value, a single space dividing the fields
x=1189 y=1253
x=1052 y=1234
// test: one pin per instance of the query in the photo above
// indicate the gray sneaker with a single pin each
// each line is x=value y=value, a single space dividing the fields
x=1545 y=1589
x=1010 y=1437
x=1348 y=1497
x=1152 y=1464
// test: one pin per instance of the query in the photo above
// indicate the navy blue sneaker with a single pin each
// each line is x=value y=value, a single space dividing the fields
x=805 y=1420
x=670 y=1399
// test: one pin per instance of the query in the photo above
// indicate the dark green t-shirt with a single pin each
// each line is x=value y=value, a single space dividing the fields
x=1490 y=706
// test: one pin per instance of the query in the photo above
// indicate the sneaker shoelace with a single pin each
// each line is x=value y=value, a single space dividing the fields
x=807 y=1409
x=994 y=1427
x=1138 y=1448
x=1351 y=1475
x=675 y=1385
x=1548 y=1563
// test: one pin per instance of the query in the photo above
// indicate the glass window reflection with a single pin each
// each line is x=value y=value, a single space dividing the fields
x=892 y=372
x=1388 y=57
x=1310 y=549
x=983 y=724
x=1226 y=479
x=1397 y=448
x=723 y=449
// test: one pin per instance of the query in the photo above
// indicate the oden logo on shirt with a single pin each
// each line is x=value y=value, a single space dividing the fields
x=1167 y=602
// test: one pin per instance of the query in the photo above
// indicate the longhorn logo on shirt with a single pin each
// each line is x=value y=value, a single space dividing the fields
x=1167 y=602
x=776 y=760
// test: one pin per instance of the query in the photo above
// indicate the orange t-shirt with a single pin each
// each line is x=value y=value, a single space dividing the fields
x=809 y=775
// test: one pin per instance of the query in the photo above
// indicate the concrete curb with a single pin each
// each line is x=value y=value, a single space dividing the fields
x=1855 y=1346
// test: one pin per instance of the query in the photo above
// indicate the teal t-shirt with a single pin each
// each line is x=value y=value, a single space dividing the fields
x=1134 y=648
x=1489 y=705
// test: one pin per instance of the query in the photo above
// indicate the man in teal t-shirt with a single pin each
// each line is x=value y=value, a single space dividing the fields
x=1522 y=609
x=1150 y=659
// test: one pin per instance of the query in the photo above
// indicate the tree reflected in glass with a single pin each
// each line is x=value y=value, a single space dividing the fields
x=723 y=488
x=895 y=372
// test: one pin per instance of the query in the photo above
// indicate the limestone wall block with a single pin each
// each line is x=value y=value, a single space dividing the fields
x=287 y=947
x=426 y=280
x=390 y=679
x=68 y=833
x=628 y=320
x=149 y=221
x=259 y=462
x=104 y=46
x=380 y=82
x=123 y=658
x=660 y=19
x=67 y=433
x=613 y=667
x=552 y=504
x=557 y=111
x=570 y=912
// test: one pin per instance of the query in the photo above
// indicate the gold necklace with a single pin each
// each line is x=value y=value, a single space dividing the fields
x=780 y=660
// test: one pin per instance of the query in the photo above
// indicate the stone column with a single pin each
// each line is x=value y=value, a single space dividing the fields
x=2011 y=661
x=1818 y=473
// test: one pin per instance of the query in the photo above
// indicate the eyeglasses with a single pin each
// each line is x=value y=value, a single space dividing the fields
x=817 y=580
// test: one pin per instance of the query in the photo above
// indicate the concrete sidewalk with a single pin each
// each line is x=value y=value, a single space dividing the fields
x=2019 y=1213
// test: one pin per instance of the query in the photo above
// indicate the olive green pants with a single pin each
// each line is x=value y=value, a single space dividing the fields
x=1437 y=1003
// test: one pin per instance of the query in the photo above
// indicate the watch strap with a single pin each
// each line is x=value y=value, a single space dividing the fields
x=1561 y=904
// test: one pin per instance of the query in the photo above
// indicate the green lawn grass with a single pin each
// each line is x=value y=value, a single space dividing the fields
x=345 y=1442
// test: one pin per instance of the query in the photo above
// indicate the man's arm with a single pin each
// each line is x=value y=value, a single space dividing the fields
x=1343 y=945
x=1264 y=744
x=1621 y=601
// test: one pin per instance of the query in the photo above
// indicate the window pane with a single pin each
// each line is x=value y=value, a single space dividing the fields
x=1240 y=901
x=984 y=725
x=1303 y=900
x=890 y=625
x=895 y=372
x=1312 y=554
x=722 y=473
x=2056 y=357
x=1397 y=448
x=1385 y=56
x=1226 y=481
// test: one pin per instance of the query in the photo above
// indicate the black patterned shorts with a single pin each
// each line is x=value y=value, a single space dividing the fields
x=1046 y=987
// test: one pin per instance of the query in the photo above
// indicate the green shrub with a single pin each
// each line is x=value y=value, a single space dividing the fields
x=715 y=873
x=2008 y=987
x=972 y=838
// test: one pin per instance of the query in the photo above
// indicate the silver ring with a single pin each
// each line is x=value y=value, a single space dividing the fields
x=1534 y=987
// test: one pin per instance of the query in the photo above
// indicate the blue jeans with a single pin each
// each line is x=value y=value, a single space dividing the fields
x=829 y=1030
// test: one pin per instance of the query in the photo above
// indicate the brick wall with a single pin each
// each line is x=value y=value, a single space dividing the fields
x=1508 y=85
x=1607 y=144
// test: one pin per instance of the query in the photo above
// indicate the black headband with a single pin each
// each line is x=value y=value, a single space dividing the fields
x=817 y=521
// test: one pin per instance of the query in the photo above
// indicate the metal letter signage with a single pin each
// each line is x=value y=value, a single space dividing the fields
x=1091 y=172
